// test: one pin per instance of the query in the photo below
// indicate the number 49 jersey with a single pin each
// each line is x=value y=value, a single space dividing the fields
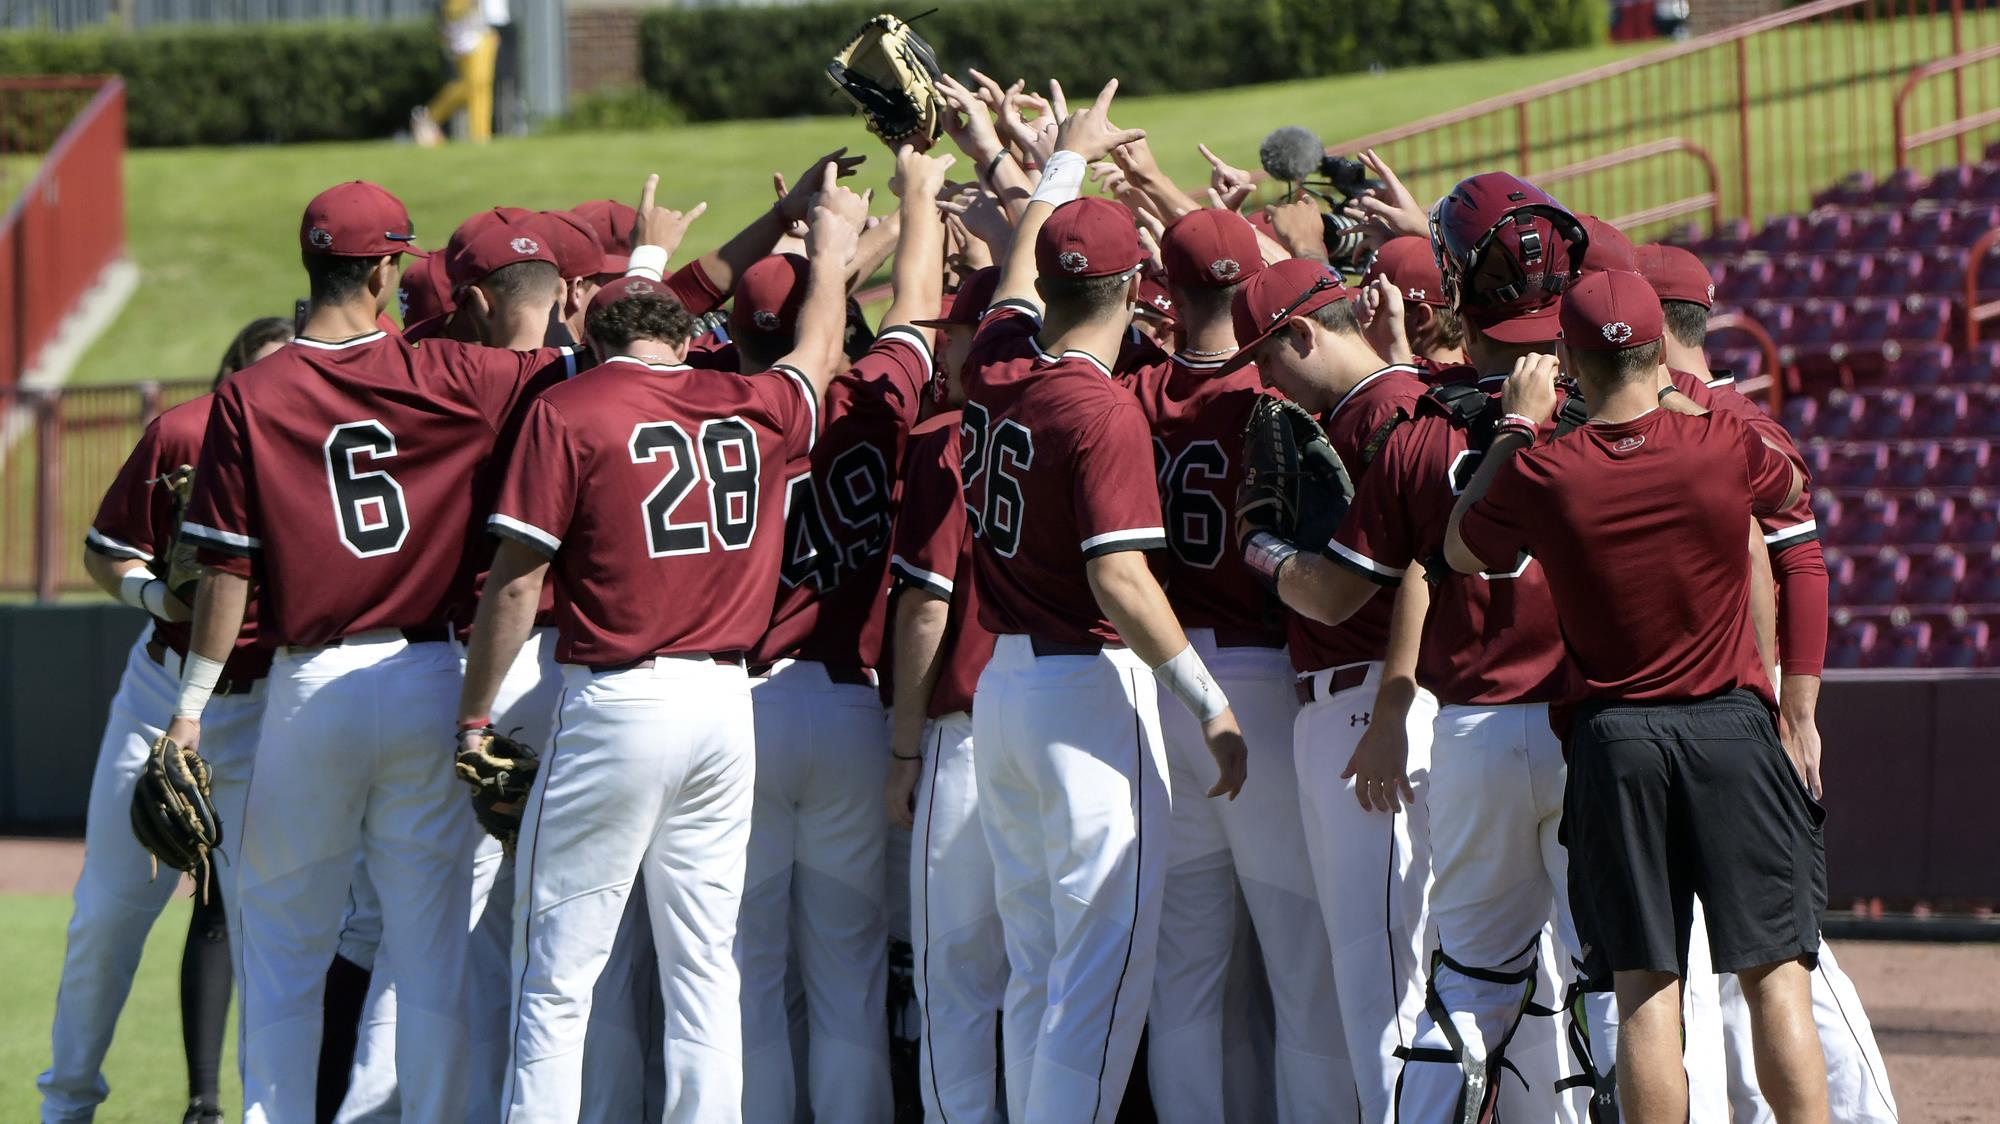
x=344 y=477
x=658 y=491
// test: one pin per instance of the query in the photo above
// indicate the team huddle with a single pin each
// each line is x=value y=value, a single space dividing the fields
x=1391 y=693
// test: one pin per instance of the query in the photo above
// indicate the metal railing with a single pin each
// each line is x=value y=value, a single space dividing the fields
x=1975 y=312
x=83 y=15
x=66 y=222
x=1783 y=106
x=1962 y=124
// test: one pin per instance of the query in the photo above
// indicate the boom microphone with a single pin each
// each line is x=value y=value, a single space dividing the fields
x=1292 y=154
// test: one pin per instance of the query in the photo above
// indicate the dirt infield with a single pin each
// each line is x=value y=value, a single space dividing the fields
x=1936 y=1007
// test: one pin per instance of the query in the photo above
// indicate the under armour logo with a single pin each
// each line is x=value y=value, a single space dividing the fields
x=1073 y=262
x=1417 y=294
x=525 y=246
x=1617 y=331
x=1163 y=303
x=1360 y=719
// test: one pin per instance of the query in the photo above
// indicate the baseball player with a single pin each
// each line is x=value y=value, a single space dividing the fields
x=1680 y=785
x=1070 y=766
x=815 y=881
x=641 y=476
x=380 y=439
x=1858 y=1082
x=958 y=952
x=1431 y=329
x=1197 y=413
x=120 y=891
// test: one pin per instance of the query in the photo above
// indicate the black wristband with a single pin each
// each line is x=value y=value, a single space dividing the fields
x=907 y=756
x=1670 y=388
x=993 y=165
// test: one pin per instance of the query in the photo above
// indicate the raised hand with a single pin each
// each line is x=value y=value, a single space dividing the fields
x=1531 y=389
x=1089 y=132
x=1391 y=208
x=795 y=201
x=919 y=175
x=1297 y=227
x=1232 y=185
x=970 y=125
x=661 y=226
x=833 y=226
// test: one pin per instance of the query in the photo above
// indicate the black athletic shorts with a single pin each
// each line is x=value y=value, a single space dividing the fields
x=1669 y=801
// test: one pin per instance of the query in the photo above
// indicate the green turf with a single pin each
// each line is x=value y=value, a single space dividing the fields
x=146 y=1071
x=212 y=229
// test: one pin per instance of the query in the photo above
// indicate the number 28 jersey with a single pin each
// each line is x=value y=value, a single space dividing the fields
x=345 y=477
x=659 y=493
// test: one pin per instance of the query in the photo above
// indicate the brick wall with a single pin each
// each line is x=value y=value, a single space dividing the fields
x=603 y=49
x=1714 y=15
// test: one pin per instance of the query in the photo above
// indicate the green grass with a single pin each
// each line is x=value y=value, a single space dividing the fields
x=147 y=1074
x=213 y=229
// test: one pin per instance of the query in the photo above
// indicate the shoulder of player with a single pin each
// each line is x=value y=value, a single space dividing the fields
x=183 y=424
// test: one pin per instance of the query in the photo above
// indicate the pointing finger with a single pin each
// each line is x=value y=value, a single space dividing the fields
x=646 y=194
x=1057 y=101
x=1103 y=102
x=697 y=211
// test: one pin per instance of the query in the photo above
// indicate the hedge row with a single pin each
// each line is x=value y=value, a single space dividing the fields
x=732 y=62
x=232 y=85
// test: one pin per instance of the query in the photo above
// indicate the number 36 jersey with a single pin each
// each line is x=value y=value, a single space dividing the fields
x=659 y=492
x=344 y=476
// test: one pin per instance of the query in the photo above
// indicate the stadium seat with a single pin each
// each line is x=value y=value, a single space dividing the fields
x=1839 y=572
x=1796 y=279
x=1885 y=414
x=1799 y=415
x=1934 y=578
x=1743 y=362
x=1728 y=240
x=1980 y=364
x=1988 y=272
x=1977 y=524
x=1943 y=271
x=1905 y=643
x=1925 y=520
x=1951 y=184
x=1846 y=276
x=1918 y=366
x=1779 y=235
x=1824 y=232
x=1927 y=229
x=1856 y=466
x=1981 y=584
x=1922 y=319
x=1895 y=275
x=1850 y=642
x=1867 y=521
x=1877 y=231
x=1962 y=464
x=1856 y=189
x=1901 y=188
x=1940 y=412
x=1982 y=415
x=1742 y=281
x=1878 y=578
x=1912 y=464
x=1968 y=643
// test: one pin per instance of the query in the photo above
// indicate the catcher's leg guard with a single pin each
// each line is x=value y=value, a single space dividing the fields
x=1589 y=1033
x=1452 y=1074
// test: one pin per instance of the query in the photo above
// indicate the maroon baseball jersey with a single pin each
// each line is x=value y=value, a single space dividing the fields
x=1197 y=417
x=1358 y=427
x=839 y=510
x=656 y=490
x=1058 y=469
x=1640 y=526
x=136 y=520
x=1795 y=525
x=349 y=476
x=1489 y=639
x=933 y=552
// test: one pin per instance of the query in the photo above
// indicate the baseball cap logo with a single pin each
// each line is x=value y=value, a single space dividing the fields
x=321 y=238
x=641 y=286
x=765 y=319
x=1617 y=331
x=1627 y=444
x=1711 y=290
x=1163 y=303
x=1073 y=261
x=1416 y=294
x=525 y=246
x=1225 y=269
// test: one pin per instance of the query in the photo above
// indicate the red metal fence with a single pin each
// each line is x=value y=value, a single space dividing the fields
x=1741 y=123
x=59 y=450
x=62 y=149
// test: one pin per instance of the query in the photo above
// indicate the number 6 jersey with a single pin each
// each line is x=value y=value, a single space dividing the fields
x=659 y=492
x=343 y=476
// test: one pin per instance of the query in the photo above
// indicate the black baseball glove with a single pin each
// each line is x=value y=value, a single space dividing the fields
x=1294 y=484
x=500 y=771
x=891 y=74
x=172 y=815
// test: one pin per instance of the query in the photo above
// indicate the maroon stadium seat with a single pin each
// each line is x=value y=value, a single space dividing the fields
x=1856 y=466
x=1846 y=276
x=1825 y=232
x=1963 y=464
x=1730 y=238
x=1838 y=416
x=1981 y=585
x=1798 y=415
x=1856 y=189
x=1901 y=188
x=1921 y=319
x=1927 y=229
x=1885 y=414
x=1850 y=642
x=1919 y=366
x=1979 y=364
x=1744 y=281
x=1895 y=275
x=1978 y=524
x=1795 y=279
x=1779 y=235
x=1952 y=184
x=1906 y=643
x=1867 y=521
x=1934 y=579
x=1939 y=413
x=1965 y=644
x=1912 y=464
x=1943 y=271
x=1925 y=520
x=1877 y=231
x=1982 y=411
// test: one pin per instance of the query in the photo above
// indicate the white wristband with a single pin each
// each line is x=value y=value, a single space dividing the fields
x=155 y=598
x=1191 y=683
x=1522 y=419
x=649 y=262
x=132 y=587
x=199 y=674
x=1062 y=179
x=1266 y=553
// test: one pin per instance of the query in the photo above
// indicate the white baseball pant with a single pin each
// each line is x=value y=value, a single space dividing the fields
x=1499 y=874
x=1074 y=802
x=525 y=708
x=816 y=881
x=118 y=894
x=623 y=1043
x=651 y=770
x=1256 y=841
x=349 y=763
x=959 y=950
x=1371 y=875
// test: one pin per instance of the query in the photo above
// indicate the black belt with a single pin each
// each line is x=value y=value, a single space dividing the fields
x=726 y=659
x=1247 y=638
x=420 y=634
x=846 y=674
x=158 y=653
x=1345 y=679
x=1046 y=647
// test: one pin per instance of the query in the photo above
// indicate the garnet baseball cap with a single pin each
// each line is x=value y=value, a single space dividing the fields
x=1266 y=302
x=1607 y=249
x=1523 y=321
x=768 y=296
x=1210 y=248
x=1154 y=300
x=1676 y=274
x=1611 y=311
x=1088 y=237
x=424 y=291
x=357 y=220
x=624 y=287
x=498 y=245
x=965 y=307
x=574 y=243
x=612 y=221
x=1410 y=266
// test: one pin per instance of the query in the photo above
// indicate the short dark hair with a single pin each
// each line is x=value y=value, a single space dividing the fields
x=1340 y=316
x=520 y=280
x=1202 y=303
x=642 y=316
x=1687 y=322
x=1617 y=368
x=1085 y=297
x=1451 y=330
x=333 y=279
x=251 y=340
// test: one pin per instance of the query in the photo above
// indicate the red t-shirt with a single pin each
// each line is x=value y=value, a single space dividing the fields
x=1357 y=427
x=839 y=509
x=1489 y=639
x=933 y=553
x=655 y=489
x=1641 y=528
x=1197 y=419
x=1057 y=470
x=349 y=475
x=136 y=520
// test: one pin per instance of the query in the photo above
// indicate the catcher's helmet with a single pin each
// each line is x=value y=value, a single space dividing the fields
x=1504 y=245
